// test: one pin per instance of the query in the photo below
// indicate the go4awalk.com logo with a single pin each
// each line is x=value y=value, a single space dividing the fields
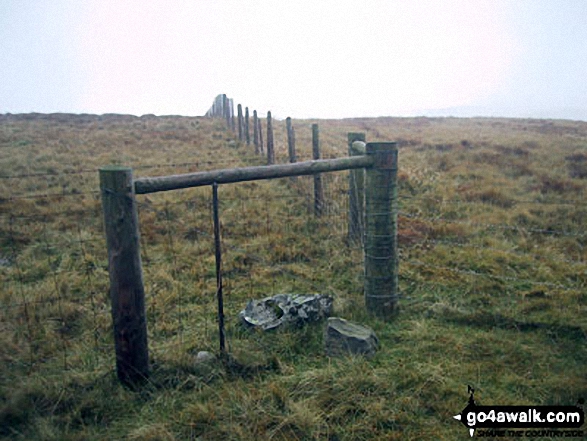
x=537 y=421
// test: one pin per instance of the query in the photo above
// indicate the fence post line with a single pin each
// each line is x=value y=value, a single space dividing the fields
x=127 y=292
x=356 y=194
x=247 y=133
x=318 y=190
x=239 y=110
x=380 y=249
x=255 y=132
x=270 y=147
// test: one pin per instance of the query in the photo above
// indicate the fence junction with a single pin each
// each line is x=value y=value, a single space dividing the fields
x=44 y=306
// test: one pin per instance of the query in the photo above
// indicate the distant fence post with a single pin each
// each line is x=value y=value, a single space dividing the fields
x=291 y=140
x=247 y=135
x=226 y=109
x=291 y=144
x=239 y=112
x=256 y=132
x=356 y=193
x=380 y=249
x=127 y=292
x=231 y=106
x=318 y=190
x=270 y=147
x=261 y=148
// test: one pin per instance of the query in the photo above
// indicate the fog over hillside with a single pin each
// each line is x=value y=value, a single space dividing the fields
x=327 y=59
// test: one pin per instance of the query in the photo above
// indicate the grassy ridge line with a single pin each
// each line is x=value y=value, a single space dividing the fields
x=517 y=343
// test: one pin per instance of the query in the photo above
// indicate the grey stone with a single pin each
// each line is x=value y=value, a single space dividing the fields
x=342 y=337
x=205 y=357
x=286 y=310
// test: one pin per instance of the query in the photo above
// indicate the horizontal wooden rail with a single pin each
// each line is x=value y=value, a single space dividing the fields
x=230 y=175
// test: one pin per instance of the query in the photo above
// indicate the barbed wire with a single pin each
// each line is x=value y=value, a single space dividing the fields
x=499 y=250
x=469 y=272
x=82 y=171
x=494 y=226
x=471 y=202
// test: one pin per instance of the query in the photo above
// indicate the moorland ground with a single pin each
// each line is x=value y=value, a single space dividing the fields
x=493 y=278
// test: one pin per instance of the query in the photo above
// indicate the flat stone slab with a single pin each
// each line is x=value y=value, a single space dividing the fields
x=342 y=338
x=286 y=310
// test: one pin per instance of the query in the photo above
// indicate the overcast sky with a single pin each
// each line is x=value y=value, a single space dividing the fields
x=305 y=59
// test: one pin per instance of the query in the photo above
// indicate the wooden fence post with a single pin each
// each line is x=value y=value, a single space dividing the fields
x=239 y=110
x=226 y=110
x=247 y=135
x=127 y=293
x=261 y=148
x=356 y=194
x=270 y=147
x=291 y=145
x=318 y=190
x=231 y=107
x=255 y=132
x=291 y=140
x=380 y=249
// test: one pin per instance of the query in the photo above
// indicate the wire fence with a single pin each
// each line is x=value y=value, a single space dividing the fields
x=54 y=268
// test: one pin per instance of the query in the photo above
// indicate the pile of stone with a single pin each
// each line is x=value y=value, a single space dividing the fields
x=286 y=310
x=341 y=337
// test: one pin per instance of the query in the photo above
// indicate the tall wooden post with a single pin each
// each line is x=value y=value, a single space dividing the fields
x=127 y=293
x=255 y=132
x=231 y=107
x=239 y=110
x=318 y=190
x=247 y=134
x=291 y=140
x=226 y=110
x=261 y=147
x=270 y=147
x=356 y=194
x=291 y=145
x=381 y=250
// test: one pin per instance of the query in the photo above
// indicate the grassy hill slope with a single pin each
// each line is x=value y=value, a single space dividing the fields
x=493 y=274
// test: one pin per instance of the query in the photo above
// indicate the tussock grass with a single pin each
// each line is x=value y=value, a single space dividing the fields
x=493 y=276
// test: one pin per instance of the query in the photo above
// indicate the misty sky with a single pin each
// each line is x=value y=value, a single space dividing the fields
x=305 y=59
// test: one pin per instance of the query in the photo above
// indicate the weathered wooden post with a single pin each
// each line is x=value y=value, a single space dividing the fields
x=231 y=106
x=291 y=145
x=239 y=110
x=127 y=293
x=226 y=110
x=291 y=140
x=356 y=193
x=318 y=190
x=256 y=131
x=270 y=147
x=380 y=249
x=247 y=134
x=261 y=148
